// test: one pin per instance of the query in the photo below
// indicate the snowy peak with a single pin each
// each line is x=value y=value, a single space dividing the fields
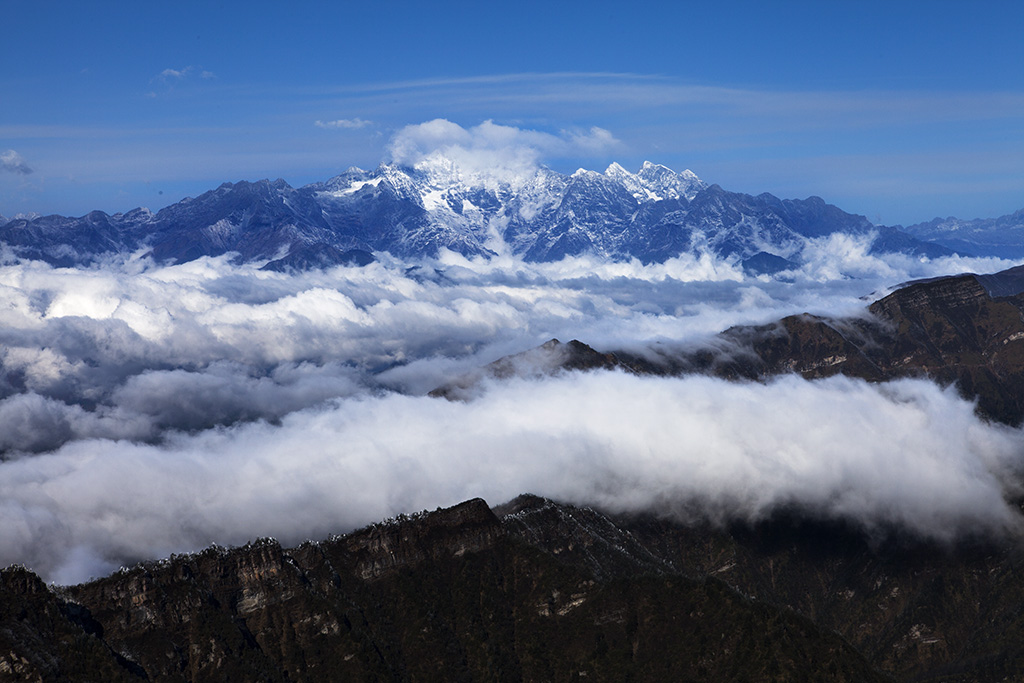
x=439 y=184
x=615 y=170
x=399 y=180
x=439 y=172
x=633 y=184
x=654 y=182
x=342 y=184
x=666 y=183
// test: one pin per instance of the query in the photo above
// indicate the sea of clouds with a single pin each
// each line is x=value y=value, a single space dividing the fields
x=147 y=409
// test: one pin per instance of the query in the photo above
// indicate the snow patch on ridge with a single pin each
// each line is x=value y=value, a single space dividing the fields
x=356 y=186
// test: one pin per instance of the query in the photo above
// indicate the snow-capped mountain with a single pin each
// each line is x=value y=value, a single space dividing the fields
x=537 y=214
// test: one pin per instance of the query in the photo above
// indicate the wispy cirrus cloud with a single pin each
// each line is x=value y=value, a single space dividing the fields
x=642 y=95
x=343 y=123
x=183 y=73
x=175 y=73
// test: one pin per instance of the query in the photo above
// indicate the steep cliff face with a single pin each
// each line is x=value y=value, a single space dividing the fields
x=263 y=613
x=546 y=593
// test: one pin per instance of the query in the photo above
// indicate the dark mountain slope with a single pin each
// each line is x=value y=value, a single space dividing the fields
x=917 y=611
x=456 y=594
x=537 y=590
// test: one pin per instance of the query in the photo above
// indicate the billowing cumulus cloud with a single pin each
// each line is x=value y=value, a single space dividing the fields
x=13 y=162
x=491 y=149
x=152 y=409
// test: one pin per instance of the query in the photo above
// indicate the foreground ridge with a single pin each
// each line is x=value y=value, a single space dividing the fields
x=544 y=592
x=534 y=589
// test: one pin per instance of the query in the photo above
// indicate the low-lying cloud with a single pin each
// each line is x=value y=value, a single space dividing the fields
x=907 y=455
x=153 y=409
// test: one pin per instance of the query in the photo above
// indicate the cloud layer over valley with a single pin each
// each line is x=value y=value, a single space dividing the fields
x=154 y=409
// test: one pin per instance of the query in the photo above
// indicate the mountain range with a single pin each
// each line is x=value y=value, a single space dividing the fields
x=1002 y=237
x=530 y=591
x=652 y=215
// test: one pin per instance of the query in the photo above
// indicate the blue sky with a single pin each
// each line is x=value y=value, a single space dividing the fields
x=899 y=111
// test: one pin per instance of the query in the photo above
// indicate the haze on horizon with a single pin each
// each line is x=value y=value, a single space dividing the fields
x=885 y=110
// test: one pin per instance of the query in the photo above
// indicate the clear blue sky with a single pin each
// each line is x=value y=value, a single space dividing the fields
x=900 y=111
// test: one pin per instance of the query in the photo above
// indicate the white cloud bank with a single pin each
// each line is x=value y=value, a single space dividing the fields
x=904 y=455
x=492 y=149
x=149 y=410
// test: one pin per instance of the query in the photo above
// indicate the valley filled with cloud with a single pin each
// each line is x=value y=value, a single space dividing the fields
x=155 y=409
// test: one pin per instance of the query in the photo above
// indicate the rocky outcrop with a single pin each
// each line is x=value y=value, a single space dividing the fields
x=46 y=638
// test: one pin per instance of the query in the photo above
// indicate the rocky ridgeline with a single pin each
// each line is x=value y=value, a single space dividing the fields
x=535 y=590
x=546 y=592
